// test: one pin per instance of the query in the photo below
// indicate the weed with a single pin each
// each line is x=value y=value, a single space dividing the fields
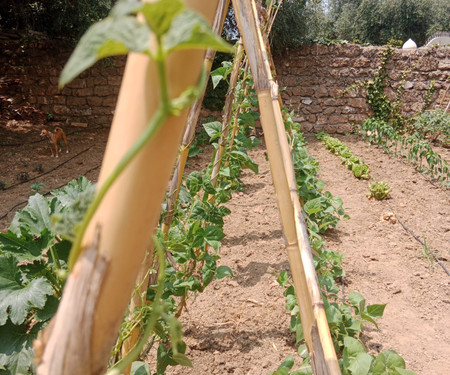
x=37 y=187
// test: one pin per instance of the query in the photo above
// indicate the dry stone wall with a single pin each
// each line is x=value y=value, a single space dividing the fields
x=316 y=77
x=29 y=76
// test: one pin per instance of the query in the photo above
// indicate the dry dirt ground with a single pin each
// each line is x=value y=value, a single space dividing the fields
x=239 y=325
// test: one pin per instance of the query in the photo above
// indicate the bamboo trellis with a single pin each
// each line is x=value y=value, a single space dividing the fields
x=314 y=322
x=95 y=298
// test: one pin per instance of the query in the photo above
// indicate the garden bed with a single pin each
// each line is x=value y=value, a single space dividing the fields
x=240 y=325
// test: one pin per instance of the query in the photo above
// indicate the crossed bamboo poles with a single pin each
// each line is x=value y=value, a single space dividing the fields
x=97 y=291
x=317 y=336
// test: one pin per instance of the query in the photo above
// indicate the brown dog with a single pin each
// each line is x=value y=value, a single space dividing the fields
x=54 y=140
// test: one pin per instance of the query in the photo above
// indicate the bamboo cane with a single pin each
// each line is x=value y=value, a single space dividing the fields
x=235 y=128
x=81 y=335
x=317 y=336
x=189 y=133
x=227 y=115
x=176 y=180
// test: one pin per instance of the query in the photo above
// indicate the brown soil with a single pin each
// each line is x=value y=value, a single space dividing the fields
x=239 y=325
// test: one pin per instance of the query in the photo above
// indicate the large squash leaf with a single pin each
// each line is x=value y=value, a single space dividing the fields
x=17 y=299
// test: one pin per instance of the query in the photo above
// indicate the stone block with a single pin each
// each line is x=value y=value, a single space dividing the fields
x=329 y=110
x=103 y=90
x=99 y=81
x=77 y=84
x=52 y=90
x=444 y=65
x=89 y=91
x=344 y=129
x=329 y=129
x=362 y=62
x=109 y=101
x=59 y=99
x=306 y=127
x=115 y=80
x=94 y=101
x=61 y=110
x=76 y=101
x=339 y=119
x=321 y=92
x=314 y=109
x=357 y=103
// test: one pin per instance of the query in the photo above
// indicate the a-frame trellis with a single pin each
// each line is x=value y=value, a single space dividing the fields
x=98 y=290
x=315 y=326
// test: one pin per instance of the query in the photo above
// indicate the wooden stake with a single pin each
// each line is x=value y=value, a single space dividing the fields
x=189 y=133
x=82 y=333
x=315 y=326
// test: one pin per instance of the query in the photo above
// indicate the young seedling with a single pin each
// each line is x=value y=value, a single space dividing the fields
x=379 y=190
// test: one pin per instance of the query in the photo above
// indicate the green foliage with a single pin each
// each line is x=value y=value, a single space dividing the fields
x=37 y=187
x=120 y=33
x=289 y=29
x=377 y=22
x=415 y=148
x=379 y=190
x=355 y=164
x=322 y=209
x=433 y=125
x=59 y=18
x=33 y=256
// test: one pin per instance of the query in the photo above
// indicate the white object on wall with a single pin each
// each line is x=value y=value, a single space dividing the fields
x=409 y=44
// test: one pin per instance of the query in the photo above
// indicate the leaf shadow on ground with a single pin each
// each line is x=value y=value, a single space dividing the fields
x=232 y=338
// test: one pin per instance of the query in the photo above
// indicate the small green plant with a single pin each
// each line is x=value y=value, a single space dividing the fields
x=379 y=190
x=354 y=163
x=37 y=187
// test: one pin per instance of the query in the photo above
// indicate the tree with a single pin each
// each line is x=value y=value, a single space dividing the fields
x=289 y=28
x=66 y=18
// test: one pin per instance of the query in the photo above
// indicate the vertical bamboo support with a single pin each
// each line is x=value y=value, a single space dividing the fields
x=315 y=327
x=142 y=281
x=238 y=111
x=227 y=113
x=80 y=336
x=194 y=113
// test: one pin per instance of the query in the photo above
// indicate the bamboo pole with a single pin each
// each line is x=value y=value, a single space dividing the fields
x=317 y=336
x=189 y=133
x=136 y=301
x=227 y=115
x=235 y=129
x=80 y=337
x=194 y=112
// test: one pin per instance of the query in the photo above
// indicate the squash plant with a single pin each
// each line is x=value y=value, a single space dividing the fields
x=33 y=260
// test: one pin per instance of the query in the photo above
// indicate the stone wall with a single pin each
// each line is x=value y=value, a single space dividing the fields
x=315 y=78
x=29 y=76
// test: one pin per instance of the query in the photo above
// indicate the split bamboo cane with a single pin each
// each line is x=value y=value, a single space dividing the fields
x=227 y=115
x=80 y=337
x=317 y=336
x=194 y=113
x=235 y=128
